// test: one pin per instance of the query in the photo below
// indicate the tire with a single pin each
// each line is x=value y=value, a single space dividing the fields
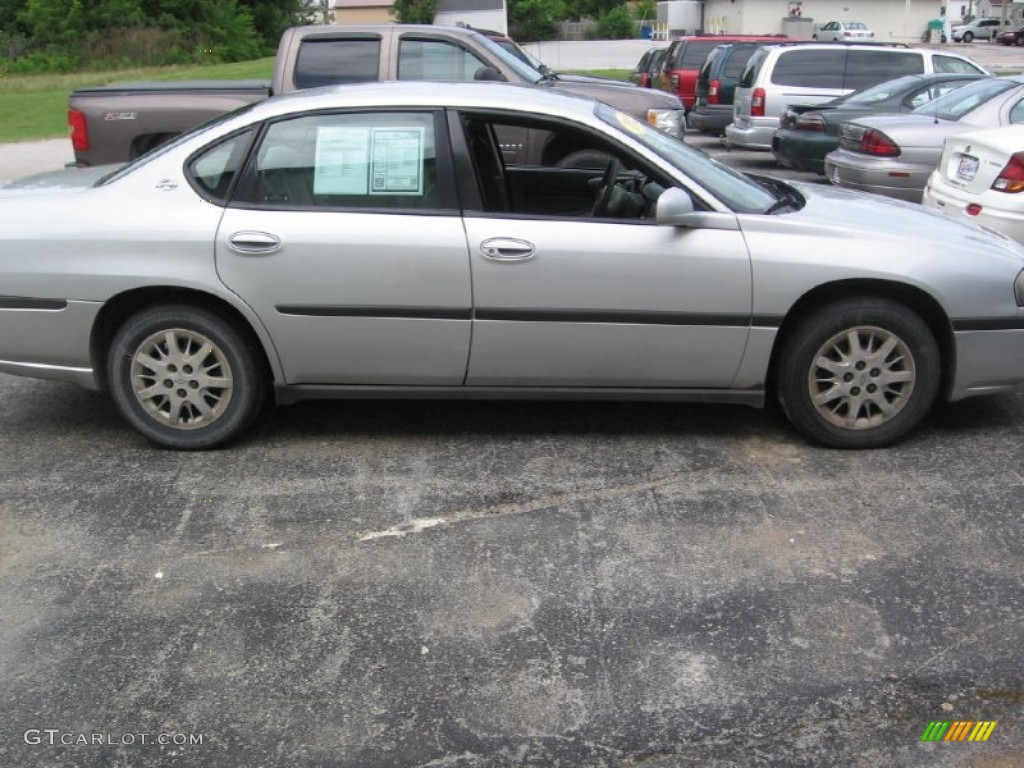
x=1019 y=40
x=905 y=378
x=194 y=413
x=968 y=37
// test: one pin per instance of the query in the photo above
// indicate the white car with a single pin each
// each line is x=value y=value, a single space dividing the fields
x=849 y=31
x=981 y=29
x=980 y=178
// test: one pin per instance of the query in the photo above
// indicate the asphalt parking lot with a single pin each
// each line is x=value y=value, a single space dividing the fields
x=507 y=584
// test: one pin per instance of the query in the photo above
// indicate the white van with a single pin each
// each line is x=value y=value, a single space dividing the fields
x=801 y=73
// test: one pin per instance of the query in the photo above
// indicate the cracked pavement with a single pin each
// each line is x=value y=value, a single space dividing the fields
x=508 y=584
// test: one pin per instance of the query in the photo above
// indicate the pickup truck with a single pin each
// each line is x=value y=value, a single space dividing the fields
x=119 y=122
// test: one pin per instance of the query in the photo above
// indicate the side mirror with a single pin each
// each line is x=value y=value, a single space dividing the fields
x=488 y=73
x=673 y=208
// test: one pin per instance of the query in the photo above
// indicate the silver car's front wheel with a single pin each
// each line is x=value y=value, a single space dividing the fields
x=858 y=374
x=861 y=377
x=184 y=377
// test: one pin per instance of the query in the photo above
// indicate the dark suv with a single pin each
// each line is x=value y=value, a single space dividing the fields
x=686 y=55
x=716 y=83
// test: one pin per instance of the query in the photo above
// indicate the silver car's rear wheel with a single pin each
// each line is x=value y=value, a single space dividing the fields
x=859 y=373
x=861 y=378
x=182 y=378
x=185 y=377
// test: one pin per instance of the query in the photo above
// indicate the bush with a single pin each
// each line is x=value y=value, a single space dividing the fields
x=617 y=24
x=531 y=20
x=645 y=10
x=414 y=11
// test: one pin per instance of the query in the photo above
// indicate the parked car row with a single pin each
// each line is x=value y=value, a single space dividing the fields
x=885 y=128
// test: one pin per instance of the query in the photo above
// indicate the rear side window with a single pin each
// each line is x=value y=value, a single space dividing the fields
x=212 y=170
x=737 y=61
x=329 y=62
x=694 y=53
x=753 y=67
x=956 y=66
x=864 y=68
x=811 y=68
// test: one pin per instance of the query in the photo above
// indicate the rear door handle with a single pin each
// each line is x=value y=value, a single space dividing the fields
x=507 y=249
x=254 y=242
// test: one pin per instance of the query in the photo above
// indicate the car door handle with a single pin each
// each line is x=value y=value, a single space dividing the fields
x=507 y=249
x=254 y=242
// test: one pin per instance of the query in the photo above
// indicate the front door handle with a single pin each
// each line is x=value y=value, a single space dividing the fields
x=254 y=242
x=507 y=249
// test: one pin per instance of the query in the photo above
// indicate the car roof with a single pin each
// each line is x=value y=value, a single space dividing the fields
x=405 y=94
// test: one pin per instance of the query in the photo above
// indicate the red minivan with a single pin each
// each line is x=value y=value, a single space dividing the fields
x=686 y=55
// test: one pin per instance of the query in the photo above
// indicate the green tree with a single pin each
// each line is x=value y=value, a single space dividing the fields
x=272 y=17
x=616 y=24
x=645 y=10
x=414 y=11
x=589 y=9
x=531 y=20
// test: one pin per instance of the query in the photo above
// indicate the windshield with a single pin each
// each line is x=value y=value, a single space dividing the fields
x=178 y=140
x=955 y=104
x=731 y=187
x=521 y=68
x=882 y=91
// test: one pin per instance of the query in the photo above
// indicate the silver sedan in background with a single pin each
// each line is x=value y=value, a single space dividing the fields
x=390 y=240
x=895 y=154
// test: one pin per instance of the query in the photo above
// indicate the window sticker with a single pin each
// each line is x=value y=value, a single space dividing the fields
x=342 y=161
x=397 y=167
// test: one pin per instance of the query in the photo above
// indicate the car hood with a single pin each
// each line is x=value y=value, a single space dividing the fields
x=851 y=216
x=622 y=95
x=66 y=180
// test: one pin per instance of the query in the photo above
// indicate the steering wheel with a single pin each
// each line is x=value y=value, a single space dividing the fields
x=604 y=192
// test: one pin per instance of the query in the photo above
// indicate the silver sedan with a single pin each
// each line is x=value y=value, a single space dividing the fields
x=395 y=240
x=895 y=154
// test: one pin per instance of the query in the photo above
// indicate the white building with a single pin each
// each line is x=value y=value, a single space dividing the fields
x=891 y=20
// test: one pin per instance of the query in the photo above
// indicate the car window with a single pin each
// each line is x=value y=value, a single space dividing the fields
x=954 y=65
x=353 y=160
x=436 y=60
x=955 y=105
x=330 y=62
x=736 y=61
x=733 y=188
x=214 y=168
x=881 y=91
x=929 y=93
x=1017 y=113
x=554 y=183
x=750 y=71
x=810 y=68
x=864 y=68
x=694 y=53
x=709 y=62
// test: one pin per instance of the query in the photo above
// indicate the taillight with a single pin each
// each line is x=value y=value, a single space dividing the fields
x=1011 y=178
x=810 y=121
x=713 y=97
x=79 y=130
x=973 y=209
x=847 y=34
x=757 y=103
x=877 y=143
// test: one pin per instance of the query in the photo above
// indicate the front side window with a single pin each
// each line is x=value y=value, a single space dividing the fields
x=810 y=68
x=377 y=160
x=1017 y=113
x=331 y=62
x=737 y=61
x=733 y=188
x=436 y=60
